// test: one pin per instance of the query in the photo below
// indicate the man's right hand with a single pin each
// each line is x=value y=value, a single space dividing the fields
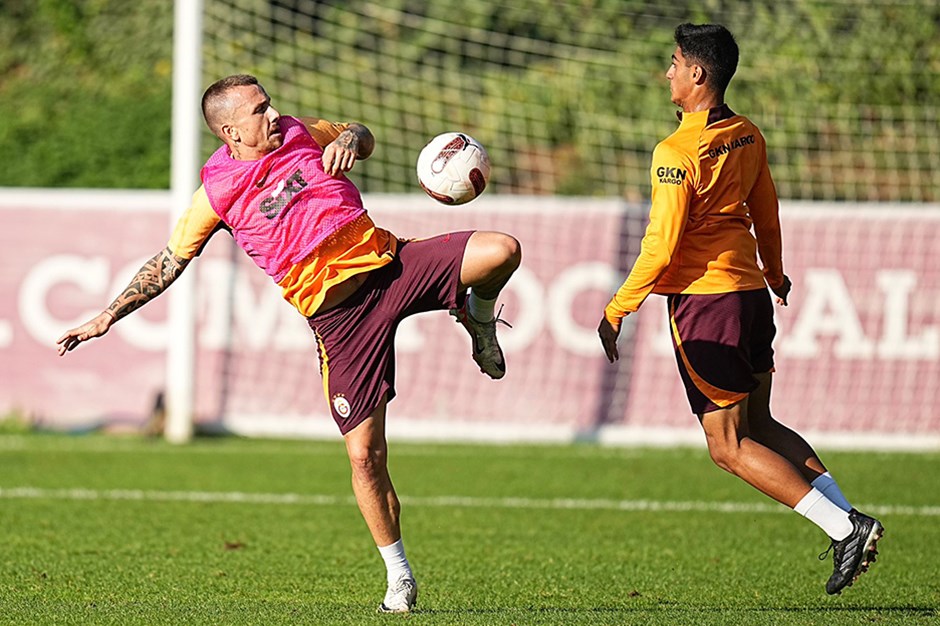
x=95 y=327
x=608 y=334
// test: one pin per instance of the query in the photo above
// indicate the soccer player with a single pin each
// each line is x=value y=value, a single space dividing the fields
x=278 y=184
x=711 y=184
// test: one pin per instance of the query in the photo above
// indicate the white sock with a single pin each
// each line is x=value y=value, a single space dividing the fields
x=827 y=484
x=820 y=510
x=479 y=308
x=396 y=563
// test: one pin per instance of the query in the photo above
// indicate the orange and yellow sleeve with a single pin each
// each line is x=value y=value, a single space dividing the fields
x=672 y=180
x=323 y=132
x=764 y=210
x=194 y=227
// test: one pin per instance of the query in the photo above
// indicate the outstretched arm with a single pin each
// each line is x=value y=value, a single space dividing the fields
x=153 y=278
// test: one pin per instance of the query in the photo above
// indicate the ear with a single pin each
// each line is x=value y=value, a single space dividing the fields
x=230 y=134
x=699 y=75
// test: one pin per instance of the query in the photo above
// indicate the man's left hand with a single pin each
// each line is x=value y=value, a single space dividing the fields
x=340 y=155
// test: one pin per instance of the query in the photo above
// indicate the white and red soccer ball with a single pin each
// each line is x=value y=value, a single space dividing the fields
x=453 y=168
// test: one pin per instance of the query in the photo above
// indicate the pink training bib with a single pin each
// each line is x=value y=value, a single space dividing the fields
x=283 y=205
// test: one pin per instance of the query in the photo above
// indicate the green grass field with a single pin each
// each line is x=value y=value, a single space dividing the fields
x=104 y=530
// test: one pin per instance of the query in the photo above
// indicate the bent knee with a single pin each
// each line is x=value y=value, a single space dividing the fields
x=500 y=249
x=723 y=461
x=512 y=250
x=725 y=455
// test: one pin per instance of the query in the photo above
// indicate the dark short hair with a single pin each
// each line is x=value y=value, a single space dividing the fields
x=213 y=99
x=713 y=47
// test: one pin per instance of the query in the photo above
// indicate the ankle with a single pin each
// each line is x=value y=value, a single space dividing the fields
x=480 y=309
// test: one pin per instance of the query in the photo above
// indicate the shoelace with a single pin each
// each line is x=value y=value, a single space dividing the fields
x=498 y=319
x=824 y=555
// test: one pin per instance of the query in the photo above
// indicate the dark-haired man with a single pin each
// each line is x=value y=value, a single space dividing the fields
x=711 y=183
x=278 y=184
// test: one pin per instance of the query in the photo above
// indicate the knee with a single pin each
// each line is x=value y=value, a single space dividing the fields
x=725 y=455
x=503 y=251
x=367 y=461
x=512 y=250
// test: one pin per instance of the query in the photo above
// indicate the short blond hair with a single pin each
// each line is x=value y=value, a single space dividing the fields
x=215 y=100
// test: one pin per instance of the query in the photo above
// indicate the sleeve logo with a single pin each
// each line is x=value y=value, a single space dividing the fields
x=671 y=175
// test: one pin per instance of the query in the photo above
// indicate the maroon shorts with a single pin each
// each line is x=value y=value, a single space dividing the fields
x=721 y=341
x=356 y=339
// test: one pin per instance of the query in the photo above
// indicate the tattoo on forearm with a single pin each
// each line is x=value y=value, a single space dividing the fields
x=357 y=138
x=348 y=140
x=153 y=278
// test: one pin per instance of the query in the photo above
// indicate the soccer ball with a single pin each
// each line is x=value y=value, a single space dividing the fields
x=453 y=168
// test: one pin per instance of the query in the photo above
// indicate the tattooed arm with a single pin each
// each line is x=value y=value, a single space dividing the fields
x=153 y=278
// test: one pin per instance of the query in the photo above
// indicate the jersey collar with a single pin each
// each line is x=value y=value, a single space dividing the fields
x=712 y=115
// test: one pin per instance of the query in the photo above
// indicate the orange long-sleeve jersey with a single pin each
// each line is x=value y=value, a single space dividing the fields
x=711 y=183
x=357 y=247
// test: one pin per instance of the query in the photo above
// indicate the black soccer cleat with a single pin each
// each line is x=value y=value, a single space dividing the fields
x=486 y=351
x=852 y=556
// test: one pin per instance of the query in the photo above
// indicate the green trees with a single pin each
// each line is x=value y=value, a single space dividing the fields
x=85 y=93
x=569 y=97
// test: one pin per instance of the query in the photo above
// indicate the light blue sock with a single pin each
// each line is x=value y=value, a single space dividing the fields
x=827 y=484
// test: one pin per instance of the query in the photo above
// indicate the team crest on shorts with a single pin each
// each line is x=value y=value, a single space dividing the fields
x=341 y=404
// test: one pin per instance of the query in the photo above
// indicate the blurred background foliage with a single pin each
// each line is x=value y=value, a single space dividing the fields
x=85 y=93
x=568 y=96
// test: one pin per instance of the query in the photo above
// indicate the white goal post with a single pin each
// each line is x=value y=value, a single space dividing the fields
x=184 y=179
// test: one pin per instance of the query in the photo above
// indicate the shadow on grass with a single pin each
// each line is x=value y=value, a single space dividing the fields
x=909 y=611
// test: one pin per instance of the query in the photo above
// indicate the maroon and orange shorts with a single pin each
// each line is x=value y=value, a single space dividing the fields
x=721 y=341
x=356 y=339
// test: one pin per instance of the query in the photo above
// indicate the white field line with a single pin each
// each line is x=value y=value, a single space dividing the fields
x=239 y=497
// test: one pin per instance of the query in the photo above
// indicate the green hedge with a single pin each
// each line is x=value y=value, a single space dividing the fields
x=85 y=94
x=847 y=92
